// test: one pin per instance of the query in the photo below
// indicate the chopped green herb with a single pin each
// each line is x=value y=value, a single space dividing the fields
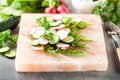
x=71 y=52
x=50 y=36
x=81 y=25
x=43 y=22
x=66 y=20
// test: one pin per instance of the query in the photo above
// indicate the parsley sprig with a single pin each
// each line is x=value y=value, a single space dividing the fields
x=109 y=11
x=7 y=39
x=43 y=22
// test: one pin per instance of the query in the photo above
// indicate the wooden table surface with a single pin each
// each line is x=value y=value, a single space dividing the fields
x=7 y=68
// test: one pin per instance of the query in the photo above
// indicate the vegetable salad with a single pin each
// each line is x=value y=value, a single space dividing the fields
x=57 y=35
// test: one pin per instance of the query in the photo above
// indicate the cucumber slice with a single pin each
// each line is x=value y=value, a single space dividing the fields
x=10 y=54
x=54 y=24
x=66 y=20
x=57 y=17
x=67 y=29
x=35 y=43
x=49 y=19
x=4 y=49
x=55 y=40
x=69 y=39
x=38 y=33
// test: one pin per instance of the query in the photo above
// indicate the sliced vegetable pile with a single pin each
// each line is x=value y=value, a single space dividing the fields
x=59 y=35
x=109 y=11
x=7 y=42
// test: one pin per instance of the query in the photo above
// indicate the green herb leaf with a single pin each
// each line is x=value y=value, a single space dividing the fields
x=45 y=3
x=71 y=52
x=81 y=25
x=38 y=21
x=43 y=22
x=50 y=36
x=9 y=2
x=66 y=20
x=50 y=49
x=52 y=52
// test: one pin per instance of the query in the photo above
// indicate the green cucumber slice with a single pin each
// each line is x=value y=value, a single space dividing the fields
x=35 y=43
x=54 y=24
x=66 y=20
x=49 y=19
x=69 y=39
x=67 y=29
x=38 y=33
x=10 y=54
x=55 y=40
x=4 y=49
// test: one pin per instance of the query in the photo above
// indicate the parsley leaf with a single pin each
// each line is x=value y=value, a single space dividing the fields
x=109 y=11
x=50 y=36
x=7 y=39
x=50 y=49
x=43 y=22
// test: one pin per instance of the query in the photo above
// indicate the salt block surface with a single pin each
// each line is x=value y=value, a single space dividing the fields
x=29 y=60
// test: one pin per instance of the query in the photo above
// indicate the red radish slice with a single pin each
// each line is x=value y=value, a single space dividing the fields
x=59 y=21
x=57 y=17
x=38 y=33
x=62 y=34
x=63 y=46
x=77 y=19
x=42 y=41
x=42 y=28
x=32 y=31
x=36 y=48
x=51 y=31
x=59 y=27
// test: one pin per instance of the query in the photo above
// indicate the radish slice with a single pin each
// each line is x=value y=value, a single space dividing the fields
x=59 y=27
x=42 y=41
x=41 y=28
x=38 y=33
x=32 y=31
x=51 y=31
x=63 y=46
x=59 y=21
x=57 y=17
x=77 y=19
x=62 y=34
